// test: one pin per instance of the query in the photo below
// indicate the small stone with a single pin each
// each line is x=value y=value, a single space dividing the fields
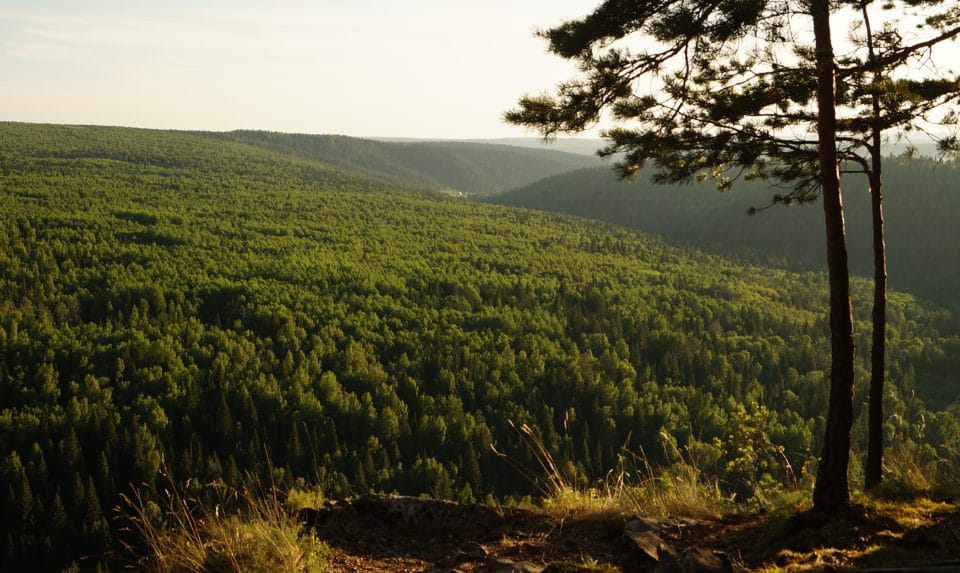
x=644 y=524
x=508 y=566
x=706 y=561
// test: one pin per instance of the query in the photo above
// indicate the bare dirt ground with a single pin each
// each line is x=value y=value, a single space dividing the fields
x=401 y=534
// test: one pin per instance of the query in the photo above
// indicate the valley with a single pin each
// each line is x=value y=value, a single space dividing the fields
x=196 y=310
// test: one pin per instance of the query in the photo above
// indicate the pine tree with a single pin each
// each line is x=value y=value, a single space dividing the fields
x=874 y=79
x=59 y=521
x=93 y=511
x=295 y=451
x=732 y=90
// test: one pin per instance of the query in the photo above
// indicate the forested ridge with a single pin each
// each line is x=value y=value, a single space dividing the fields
x=179 y=308
x=921 y=205
x=444 y=165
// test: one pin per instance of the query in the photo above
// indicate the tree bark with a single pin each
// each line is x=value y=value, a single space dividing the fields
x=873 y=474
x=874 y=469
x=831 y=492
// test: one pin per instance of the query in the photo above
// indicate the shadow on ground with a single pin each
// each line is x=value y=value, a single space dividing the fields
x=395 y=533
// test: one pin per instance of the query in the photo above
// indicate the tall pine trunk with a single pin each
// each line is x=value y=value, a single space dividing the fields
x=832 y=491
x=874 y=468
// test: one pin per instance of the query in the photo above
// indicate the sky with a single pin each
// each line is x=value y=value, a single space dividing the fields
x=365 y=68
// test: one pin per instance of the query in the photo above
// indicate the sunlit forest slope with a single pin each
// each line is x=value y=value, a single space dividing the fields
x=921 y=204
x=179 y=308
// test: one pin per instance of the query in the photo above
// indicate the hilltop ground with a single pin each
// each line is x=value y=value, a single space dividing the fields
x=394 y=534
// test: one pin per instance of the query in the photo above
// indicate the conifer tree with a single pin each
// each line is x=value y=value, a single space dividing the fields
x=731 y=90
x=892 y=87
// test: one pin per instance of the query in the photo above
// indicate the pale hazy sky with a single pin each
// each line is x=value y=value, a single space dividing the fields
x=413 y=68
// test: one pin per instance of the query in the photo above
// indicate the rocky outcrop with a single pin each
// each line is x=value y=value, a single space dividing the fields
x=446 y=537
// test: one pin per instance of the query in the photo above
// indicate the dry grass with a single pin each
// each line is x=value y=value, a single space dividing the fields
x=678 y=490
x=909 y=469
x=675 y=491
x=253 y=532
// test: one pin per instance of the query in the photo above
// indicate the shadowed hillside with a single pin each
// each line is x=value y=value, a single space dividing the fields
x=921 y=203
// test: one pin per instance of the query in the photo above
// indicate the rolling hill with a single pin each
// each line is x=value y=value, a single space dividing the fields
x=473 y=168
x=182 y=311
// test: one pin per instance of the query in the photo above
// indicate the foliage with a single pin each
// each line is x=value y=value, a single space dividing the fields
x=173 y=300
x=728 y=92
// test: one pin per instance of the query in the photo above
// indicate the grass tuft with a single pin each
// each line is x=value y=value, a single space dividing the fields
x=252 y=532
x=677 y=490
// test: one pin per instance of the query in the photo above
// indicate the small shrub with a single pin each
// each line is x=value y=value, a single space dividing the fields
x=302 y=498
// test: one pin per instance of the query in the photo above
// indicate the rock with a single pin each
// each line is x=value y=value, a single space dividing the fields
x=507 y=566
x=642 y=551
x=698 y=560
x=418 y=511
x=469 y=552
x=647 y=543
x=403 y=513
x=652 y=554
x=645 y=524
x=667 y=561
x=649 y=524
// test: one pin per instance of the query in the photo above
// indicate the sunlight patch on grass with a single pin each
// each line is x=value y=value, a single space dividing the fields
x=677 y=490
x=254 y=532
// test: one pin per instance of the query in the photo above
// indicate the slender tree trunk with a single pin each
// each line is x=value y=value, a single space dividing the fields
x=831 y=492
x=874 y=470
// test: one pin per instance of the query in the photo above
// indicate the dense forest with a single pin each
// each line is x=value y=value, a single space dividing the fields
x=466 y=167
x=181 y=308
x=921 y=205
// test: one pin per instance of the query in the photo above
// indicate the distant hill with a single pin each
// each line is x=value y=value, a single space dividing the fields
x=921 y=202
x=183 y=157
x=565 y=144
x=461 y=166
x=576 y=145
x=589 y=146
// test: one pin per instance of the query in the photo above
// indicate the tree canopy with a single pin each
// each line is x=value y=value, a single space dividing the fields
x=178 y=308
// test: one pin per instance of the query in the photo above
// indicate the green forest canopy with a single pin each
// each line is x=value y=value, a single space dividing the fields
x=181 y=307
